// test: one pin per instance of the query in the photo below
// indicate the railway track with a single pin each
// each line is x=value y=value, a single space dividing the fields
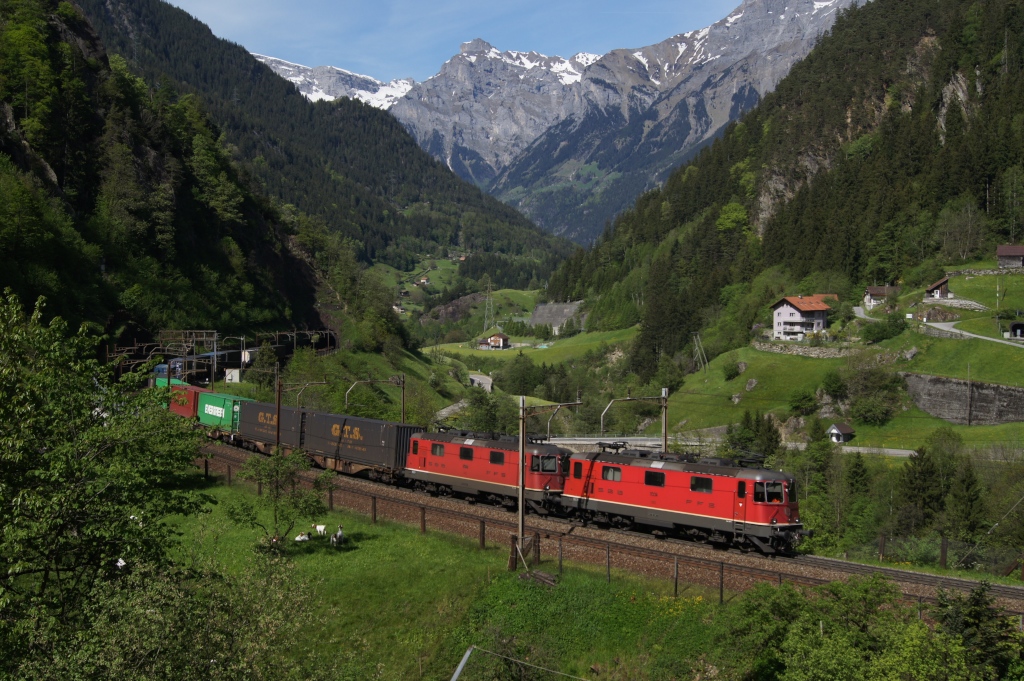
x=895 y=574
x=635 y=551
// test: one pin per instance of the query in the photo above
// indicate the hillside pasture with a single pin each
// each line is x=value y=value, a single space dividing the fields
x=705 y=401
x=983 y=290
x=551 y=352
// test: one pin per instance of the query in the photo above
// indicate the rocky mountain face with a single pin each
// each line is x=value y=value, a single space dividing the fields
x=573 y=142
x=645 y=111
x=485 y=107
x=329 y=82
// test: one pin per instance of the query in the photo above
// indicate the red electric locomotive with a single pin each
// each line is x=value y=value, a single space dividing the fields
x=486 y=467
x=711 y=500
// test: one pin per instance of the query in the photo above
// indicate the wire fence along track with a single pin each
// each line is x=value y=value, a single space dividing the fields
x=382 y=502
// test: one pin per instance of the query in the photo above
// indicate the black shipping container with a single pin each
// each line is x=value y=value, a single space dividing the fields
x=382 y=444
x=257 y=421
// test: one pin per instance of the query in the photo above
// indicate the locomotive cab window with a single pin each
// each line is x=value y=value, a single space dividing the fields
x=498 y=458
x=437 y=450
x=768 y=492
x=741 y=490
x=791 y=491
x=612 y=474
x=700 y=484
x=654 y=478
x=544 y=464
x=577 y=469
x=415 y=446
x=466 y=453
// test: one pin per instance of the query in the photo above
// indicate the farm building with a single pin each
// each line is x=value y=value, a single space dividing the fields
x=840 y=432
x=1010 y=256
x=554 y=314
x=876 y=295
x=498 y=341
x=939 y=289
x=796 y=317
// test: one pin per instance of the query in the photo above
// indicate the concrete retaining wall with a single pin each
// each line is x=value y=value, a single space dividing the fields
x=956 y=401
x=926 y=330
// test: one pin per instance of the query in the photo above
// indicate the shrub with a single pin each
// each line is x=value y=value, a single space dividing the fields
x=874 y=410
x=731 y=370
x=834 y=385
x=880 y=331
x=802 y=402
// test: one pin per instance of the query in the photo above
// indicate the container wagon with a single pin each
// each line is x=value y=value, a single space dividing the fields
x=257 y=423
x=353 y=445
x=220 y=411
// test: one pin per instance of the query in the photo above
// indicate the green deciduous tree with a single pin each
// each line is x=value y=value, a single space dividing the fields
x=284 y=495
x=994 y=650
x=88 y=471
x=264 y=365
x=189 y=624
x=491 y=412
x=855 y=631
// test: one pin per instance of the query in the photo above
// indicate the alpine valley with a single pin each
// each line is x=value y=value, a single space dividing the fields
x=571 y=142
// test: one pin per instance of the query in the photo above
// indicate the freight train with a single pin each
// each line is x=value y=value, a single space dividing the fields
x=709 y=500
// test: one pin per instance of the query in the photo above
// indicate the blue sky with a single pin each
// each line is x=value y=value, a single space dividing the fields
x=390 y=39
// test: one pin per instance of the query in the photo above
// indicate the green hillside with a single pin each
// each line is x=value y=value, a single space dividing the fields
x=120 y=202
x=705 y=399
x=349 y=164
x=894 y=148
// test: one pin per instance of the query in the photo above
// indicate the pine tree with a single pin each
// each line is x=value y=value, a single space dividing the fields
x=856 y=475
x=920 y=490
x=965 y=508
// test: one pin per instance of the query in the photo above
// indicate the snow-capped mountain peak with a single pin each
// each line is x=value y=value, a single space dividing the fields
x=330 y=82
x=568 y=71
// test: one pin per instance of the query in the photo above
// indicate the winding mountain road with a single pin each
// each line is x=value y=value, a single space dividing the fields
x=951 y=327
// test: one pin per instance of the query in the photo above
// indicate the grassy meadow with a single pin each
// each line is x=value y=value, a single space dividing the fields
x=396 y=604
x=553 y=351
x=983 y=290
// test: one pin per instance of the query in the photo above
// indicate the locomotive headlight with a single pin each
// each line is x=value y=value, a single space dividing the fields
x=547 y=488
x=774 y=521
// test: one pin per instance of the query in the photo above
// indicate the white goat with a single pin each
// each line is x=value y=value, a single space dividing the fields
x=320 y=529
x=338 y=538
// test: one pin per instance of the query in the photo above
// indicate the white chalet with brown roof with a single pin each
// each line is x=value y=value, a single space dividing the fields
x=499 y=341
x=874 y=295
x=796 y=317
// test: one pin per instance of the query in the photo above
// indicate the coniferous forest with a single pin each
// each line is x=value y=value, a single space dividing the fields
x=120 y=202
x=347 y=163
x=895 y=145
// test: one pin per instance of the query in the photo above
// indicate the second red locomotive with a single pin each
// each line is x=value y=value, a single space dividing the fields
x=710 y=500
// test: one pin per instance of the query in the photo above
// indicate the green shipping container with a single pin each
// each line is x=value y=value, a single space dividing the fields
x=162 y=382
x=220 y=411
